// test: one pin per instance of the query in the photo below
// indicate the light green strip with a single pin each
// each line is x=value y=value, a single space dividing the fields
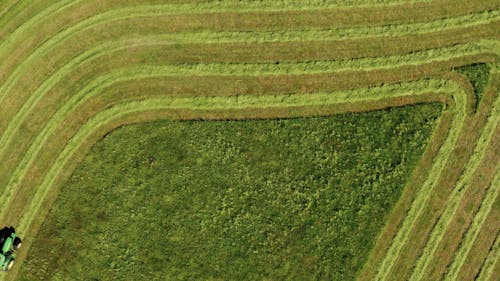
x=225 y=69
x=199 y=103
x=456 y=197
x=425 y=192
x=491 y=261
x=157 y=10
x=95 y=87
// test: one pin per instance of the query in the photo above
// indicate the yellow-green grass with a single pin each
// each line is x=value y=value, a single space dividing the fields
x=66 y=192
x=447 y=232
x=313 y=82
x=128 y=13
x=59 y=39
x=398 y=263
x=93 y=90
x=490 y=269
x=484 y=243
x=36 y=75
x=8 y=84
x=6 y=87
x=37 y=96
x=372 y=266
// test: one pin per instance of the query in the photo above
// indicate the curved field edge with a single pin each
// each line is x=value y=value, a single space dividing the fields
x=462 y=192
x=211 y=69
x=168 y=69
x=484 y=241
x=407 y=211
x=57 y=39
x=454 y=169
x=92 y=90
x=26 y=65
x=58 y=9
x=133 y=116
x=491 y=265
x=407 y=114
x=232 y=69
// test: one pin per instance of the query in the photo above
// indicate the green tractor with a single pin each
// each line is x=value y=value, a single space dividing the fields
x=10 y=243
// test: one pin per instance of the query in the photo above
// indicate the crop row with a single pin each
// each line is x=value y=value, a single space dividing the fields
x=455 y=198
x=490 y=267
x=132 y=108
x=93 y=90
x=440 y=196
x=391 y=255
x=44 y=113
x=87 y=24
x=479 y=219
x=46 y=86
x=188 y=70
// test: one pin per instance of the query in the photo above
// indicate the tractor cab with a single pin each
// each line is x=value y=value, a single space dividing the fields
x=9 y=243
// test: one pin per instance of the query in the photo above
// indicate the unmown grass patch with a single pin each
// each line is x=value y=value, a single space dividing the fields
x=282 y=199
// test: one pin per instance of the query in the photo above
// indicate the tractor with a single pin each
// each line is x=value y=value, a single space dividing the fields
x=9 y=243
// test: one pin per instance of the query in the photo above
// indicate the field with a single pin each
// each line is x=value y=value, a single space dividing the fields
x=239 y=200
x=74 y=76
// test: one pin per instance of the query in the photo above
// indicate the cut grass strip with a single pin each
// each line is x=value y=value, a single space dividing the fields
x=94 y=88
x=439 y=230
x=482 y=244
x=490 y=269
x=212 y=69
x=473 y=232
x=423 y=225
x=425 y=192
x=364 y=77
x=35 y=22
x=472 y=192
x=400 y=212
x=91 y=51
x=484 y=18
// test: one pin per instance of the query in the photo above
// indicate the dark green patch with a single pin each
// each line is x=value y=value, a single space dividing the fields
x=296 y=199
x=479 y=75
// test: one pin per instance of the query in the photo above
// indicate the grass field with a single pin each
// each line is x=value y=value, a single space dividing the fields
x=285 y=199
x=72 y=71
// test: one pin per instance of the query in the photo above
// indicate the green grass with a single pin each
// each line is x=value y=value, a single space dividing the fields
x=479 y=75
x=239 y=200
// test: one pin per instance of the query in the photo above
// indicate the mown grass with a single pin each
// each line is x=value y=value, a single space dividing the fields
x=237 y=47
x=234 y=199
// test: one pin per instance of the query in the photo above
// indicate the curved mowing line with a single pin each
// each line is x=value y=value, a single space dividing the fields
x=456 y=196
x=4 y=10
x=221 y=69
x=217 y=69
x=286 y=67
x=97 y=129
x=34 y=21
x=202 y=103
x=473 y=232
x=214 y=68
x=425 y=192
x=94 y=88
x=147 y=11
x=492 y=259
